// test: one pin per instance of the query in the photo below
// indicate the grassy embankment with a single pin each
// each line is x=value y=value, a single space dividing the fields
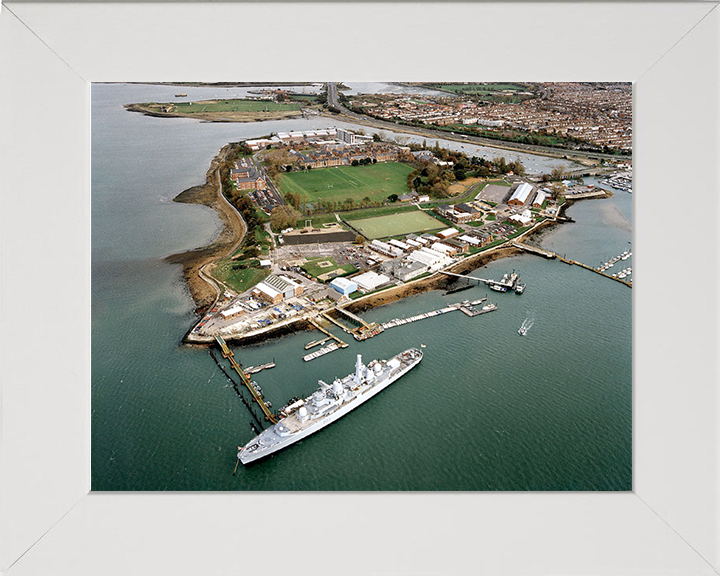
x=221 y=110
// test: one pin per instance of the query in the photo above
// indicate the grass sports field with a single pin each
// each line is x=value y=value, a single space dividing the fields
x=233 y=106
x=397 y=224
x=375 y=181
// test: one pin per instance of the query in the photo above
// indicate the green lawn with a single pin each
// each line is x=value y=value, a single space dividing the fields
x=235 y=106
x=375 y=181
x=236 y=276
x=397 y=224
x=322 y=265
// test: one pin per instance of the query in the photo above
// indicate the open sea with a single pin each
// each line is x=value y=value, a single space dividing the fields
x=486 y=409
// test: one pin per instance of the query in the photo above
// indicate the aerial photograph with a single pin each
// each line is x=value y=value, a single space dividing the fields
x=362 y=286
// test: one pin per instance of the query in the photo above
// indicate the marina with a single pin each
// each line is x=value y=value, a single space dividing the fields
x=610 y=263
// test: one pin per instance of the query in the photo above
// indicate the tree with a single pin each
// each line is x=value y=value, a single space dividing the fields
x=359 y=239
x=557 y=174
x=283 y=217
x=517 y=167
x=392 y=198
x=557 y=189
x=355 y=163
x=377 y=138
x=349 y=202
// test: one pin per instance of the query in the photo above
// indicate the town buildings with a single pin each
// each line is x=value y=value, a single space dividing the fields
x=597 y=113
x=246 y=176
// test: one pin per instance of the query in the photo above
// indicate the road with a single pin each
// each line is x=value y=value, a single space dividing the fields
x=334 y=101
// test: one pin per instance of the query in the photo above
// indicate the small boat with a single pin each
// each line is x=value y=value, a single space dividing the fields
x=498 y=288
x=526 y=325
x=520 y=288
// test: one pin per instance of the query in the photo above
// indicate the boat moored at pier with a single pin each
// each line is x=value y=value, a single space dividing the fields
x=329 y=403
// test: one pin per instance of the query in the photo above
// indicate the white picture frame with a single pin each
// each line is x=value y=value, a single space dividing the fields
x=51 y=524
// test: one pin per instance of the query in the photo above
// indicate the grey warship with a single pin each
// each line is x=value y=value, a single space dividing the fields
x=329 y=403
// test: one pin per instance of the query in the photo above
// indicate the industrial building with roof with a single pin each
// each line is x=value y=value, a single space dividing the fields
x=406 y=271
x=344 y=286
x=370 y=280
x=539 y=199
x=447 y=233
x=284 y=285
x=385 y=249
x=525 y=218
x=521 y=195
x=430 y=258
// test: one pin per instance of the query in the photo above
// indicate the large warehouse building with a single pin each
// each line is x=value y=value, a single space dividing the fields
x=344 y=286
x=521 y=195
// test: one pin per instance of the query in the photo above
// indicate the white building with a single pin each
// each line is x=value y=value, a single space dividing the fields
x=408 y=271
x=539 y=199
x=430 y=258
x=344 y=286
x=525 y=218
x=521 y=195
x=469 y=239
x=386 y=249
x=351 y=138
x=370 y=280
x=398 y=244
x=447 y=233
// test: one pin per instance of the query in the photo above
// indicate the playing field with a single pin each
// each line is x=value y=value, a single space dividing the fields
x=374 y=181
x=397 y=224
x=233 y=106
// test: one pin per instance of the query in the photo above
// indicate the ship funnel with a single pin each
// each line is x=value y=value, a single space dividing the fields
x=358 y=369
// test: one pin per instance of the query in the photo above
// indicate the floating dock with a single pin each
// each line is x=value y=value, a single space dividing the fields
x=326 y=350
x=464 y=307
x=316 y=343
x=471 y=312
x=256 y=369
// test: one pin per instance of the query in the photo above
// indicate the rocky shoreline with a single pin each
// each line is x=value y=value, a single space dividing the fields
x=198 y=263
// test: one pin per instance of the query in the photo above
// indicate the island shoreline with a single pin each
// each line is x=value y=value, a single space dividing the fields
x=206 y=291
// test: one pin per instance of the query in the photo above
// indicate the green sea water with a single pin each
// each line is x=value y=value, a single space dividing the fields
x=486 y=409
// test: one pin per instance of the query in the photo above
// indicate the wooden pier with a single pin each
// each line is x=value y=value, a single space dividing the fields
x=256 y=396
x=315 y=323
x=478 y=280
x=573 y=262
x=353 y=317
x=534 y=250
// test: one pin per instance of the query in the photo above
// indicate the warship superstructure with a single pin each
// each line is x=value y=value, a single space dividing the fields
x=328 y=403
